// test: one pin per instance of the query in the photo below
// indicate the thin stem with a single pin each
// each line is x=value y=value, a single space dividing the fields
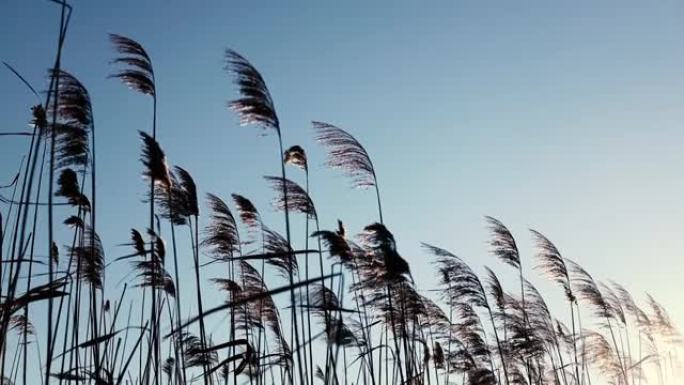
x=290 y=274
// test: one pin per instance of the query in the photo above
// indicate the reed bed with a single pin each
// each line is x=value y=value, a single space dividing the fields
x=338 y=308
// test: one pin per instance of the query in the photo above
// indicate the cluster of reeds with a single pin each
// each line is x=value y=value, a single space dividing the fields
x=353 y=313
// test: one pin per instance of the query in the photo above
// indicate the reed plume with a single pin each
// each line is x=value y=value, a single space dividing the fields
x=298 y=199
x=347 y=154
x=221 y=235
x=137 y=72
x=296 y=156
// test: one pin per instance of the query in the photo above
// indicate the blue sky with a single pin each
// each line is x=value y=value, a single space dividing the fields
x=562 y=117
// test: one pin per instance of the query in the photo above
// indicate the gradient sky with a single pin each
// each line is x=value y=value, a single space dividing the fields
x=562 y=117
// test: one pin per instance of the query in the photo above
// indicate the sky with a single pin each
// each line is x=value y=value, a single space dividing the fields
x=561 y=117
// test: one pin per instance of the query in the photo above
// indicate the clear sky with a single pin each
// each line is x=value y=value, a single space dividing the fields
x=565 y=117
